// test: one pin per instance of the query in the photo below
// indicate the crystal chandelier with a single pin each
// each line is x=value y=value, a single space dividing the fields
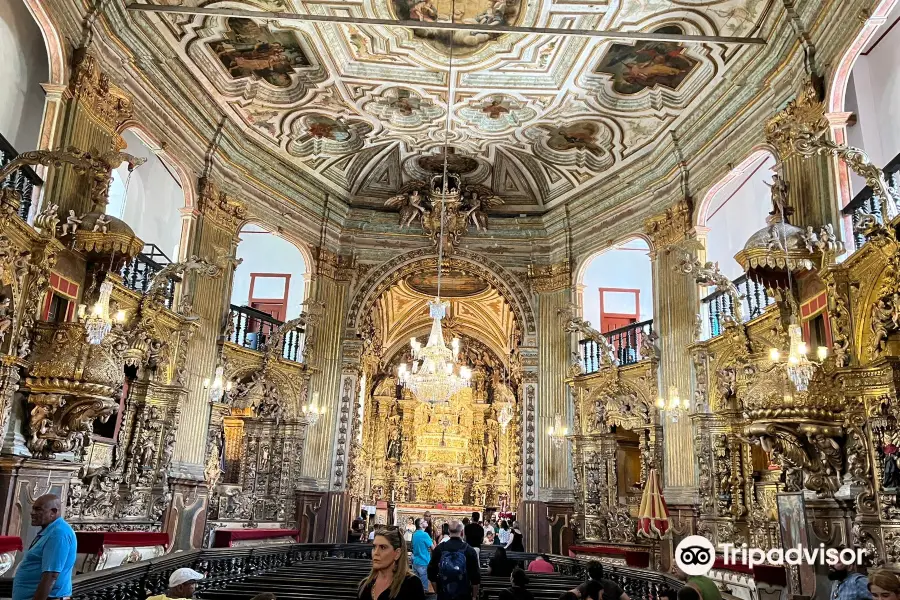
x=217 y=387
x=312 y=411
x=434 y=375
x=799 y=368
x=99 y=323
x=505 y=416
x=673 y=404
x=558 y=431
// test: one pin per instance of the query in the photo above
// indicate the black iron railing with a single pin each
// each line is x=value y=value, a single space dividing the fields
x=865 y=203
x=252 y=328
x=22 y=180
x=139 y=271
x=718 y=306
x=626 y=342
x=222 y=567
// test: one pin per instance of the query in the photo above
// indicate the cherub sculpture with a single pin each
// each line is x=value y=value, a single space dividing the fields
x=411 y=207
x=478 y=206
x=101 y=225
x=71 y=224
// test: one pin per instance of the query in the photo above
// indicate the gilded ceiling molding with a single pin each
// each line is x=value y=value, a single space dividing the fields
x=106 y=103
x=805 y=113
x=384 y=276
x=216 y=206
x=670 y=227
x=550 y=278
x=340 y=267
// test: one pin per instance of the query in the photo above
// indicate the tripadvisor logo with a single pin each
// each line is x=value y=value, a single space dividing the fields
x=695 y=555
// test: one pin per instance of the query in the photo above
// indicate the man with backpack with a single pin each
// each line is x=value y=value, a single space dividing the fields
x=454 y=567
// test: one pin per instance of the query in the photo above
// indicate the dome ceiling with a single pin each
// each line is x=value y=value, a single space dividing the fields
x=536 y=118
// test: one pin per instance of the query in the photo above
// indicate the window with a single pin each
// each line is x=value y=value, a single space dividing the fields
x=619 y=307
x=269 y=293
x=59 y=308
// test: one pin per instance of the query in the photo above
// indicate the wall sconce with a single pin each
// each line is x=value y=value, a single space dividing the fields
x=558 y=431
x=312 y=411
x=217 y=388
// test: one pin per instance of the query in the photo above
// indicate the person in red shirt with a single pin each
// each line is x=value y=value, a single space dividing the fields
x=541 y=564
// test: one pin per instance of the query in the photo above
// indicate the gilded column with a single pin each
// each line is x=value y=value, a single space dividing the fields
x=675 y=305
x=330 y=289
x=554 y=464
x=215 y=228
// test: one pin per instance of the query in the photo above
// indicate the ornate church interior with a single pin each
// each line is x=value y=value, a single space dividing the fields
x=275 y=274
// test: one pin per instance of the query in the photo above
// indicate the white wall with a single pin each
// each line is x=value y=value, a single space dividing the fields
x=626 y=266
x=23 y=68
x=736 y=212
x=873 y=93
x=264 y=252
x=154 y=198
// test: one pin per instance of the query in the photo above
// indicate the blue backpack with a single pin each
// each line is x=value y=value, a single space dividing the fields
x=453 y=580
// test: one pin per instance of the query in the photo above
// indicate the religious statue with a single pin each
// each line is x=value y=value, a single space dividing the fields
x=411 y=207
x=71 y=224
x=891 y=478
x=477 y=207
x=48 y=219
x=779 y=190
x=264 y=458
x=5 y=316
x=394 y=443
x=101 y=225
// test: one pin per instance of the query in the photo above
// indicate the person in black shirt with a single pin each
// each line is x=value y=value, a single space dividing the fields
x=452 y=548
x=390 y=578
x=500 y=565
x=611 y=589
x=474 y=533
x=517 y=591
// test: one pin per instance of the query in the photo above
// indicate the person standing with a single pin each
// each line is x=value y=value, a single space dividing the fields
x=474 y=533
x=503 y=533
x=422 y=544
x=46 y=568
x=182 y=584
x=848 y=584
x=515 y=543
x=454 y=567
x=390 y=578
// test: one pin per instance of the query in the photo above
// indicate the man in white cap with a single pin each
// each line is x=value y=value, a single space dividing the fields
x=182 y=584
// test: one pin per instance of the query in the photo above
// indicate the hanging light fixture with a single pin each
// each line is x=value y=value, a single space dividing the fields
x=558 y=432
x=435 y=374
x=99 y=322
x=217 y=387
x=799 y=368
x=672 y=404
x=312 y=411
x=505 y=416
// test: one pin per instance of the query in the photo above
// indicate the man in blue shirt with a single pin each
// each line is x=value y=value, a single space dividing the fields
x=421 y=551
x=46 y=569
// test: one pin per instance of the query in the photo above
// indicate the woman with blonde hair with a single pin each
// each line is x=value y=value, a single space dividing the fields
x=884 y=585
x=390 y=578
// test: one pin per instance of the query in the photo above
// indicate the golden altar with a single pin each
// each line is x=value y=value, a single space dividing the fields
x=405 y=514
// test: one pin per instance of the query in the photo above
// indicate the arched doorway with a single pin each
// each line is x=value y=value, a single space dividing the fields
x=24 y=68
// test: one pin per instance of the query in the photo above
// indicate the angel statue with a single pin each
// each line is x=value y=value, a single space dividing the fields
x=411 y=207
x=478 y=206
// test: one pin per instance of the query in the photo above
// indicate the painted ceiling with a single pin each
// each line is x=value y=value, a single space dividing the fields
x=536 y=118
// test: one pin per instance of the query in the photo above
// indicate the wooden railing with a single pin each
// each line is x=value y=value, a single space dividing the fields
x=716 y=307
x=222 y=566
x=139 y=271
x=865 y=203
x=626 y=341
x=23 y=179
x=251 y=329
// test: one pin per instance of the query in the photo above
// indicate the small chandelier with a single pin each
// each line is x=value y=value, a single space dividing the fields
x=558 y=431
x=673 y=404
x=434 y=375
x=312 y=411
x=799 y=368
x=505 y=416
x=99 y=323
x=217 y=387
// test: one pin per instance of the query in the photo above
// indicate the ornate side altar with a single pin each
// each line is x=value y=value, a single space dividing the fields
x=407 y=514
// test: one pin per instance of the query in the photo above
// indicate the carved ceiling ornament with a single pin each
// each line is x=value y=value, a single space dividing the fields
x=670 y=227
x=218 y=207
x=106 y=103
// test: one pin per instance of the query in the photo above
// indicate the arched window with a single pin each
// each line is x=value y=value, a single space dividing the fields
x=153 y=200
x=617 y=298
x=23 y=69
x=269 y=288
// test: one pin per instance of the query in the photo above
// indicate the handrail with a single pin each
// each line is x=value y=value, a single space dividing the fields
x=22 y=180
x=865 y=203
x=222 y=566
x=719 y=305
x=250 y=328
x=625 y=341
x=138 y=273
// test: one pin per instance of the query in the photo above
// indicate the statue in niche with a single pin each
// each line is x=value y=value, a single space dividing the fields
x=891 y=477
x=394 y=440
x=5 y=316
x=264 y=459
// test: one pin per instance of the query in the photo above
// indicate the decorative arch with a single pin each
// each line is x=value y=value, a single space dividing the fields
x=303 y=247
x=289 y=391
x=584 y=263
x=757 y=152
x=56 y=55
x=157 y=147
x=390 y=272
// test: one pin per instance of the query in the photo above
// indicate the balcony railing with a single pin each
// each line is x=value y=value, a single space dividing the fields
x=626 y=342
x=719 y=305
x=251 y=329
x=139 y=271
x=23 y=179
x=865 y=203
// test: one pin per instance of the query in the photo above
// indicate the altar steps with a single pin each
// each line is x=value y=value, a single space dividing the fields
x=338 y=579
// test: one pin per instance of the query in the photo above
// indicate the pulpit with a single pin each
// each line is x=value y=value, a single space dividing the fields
x=98 y=550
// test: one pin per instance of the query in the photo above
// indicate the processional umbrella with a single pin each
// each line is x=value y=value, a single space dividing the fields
x=653 y=516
